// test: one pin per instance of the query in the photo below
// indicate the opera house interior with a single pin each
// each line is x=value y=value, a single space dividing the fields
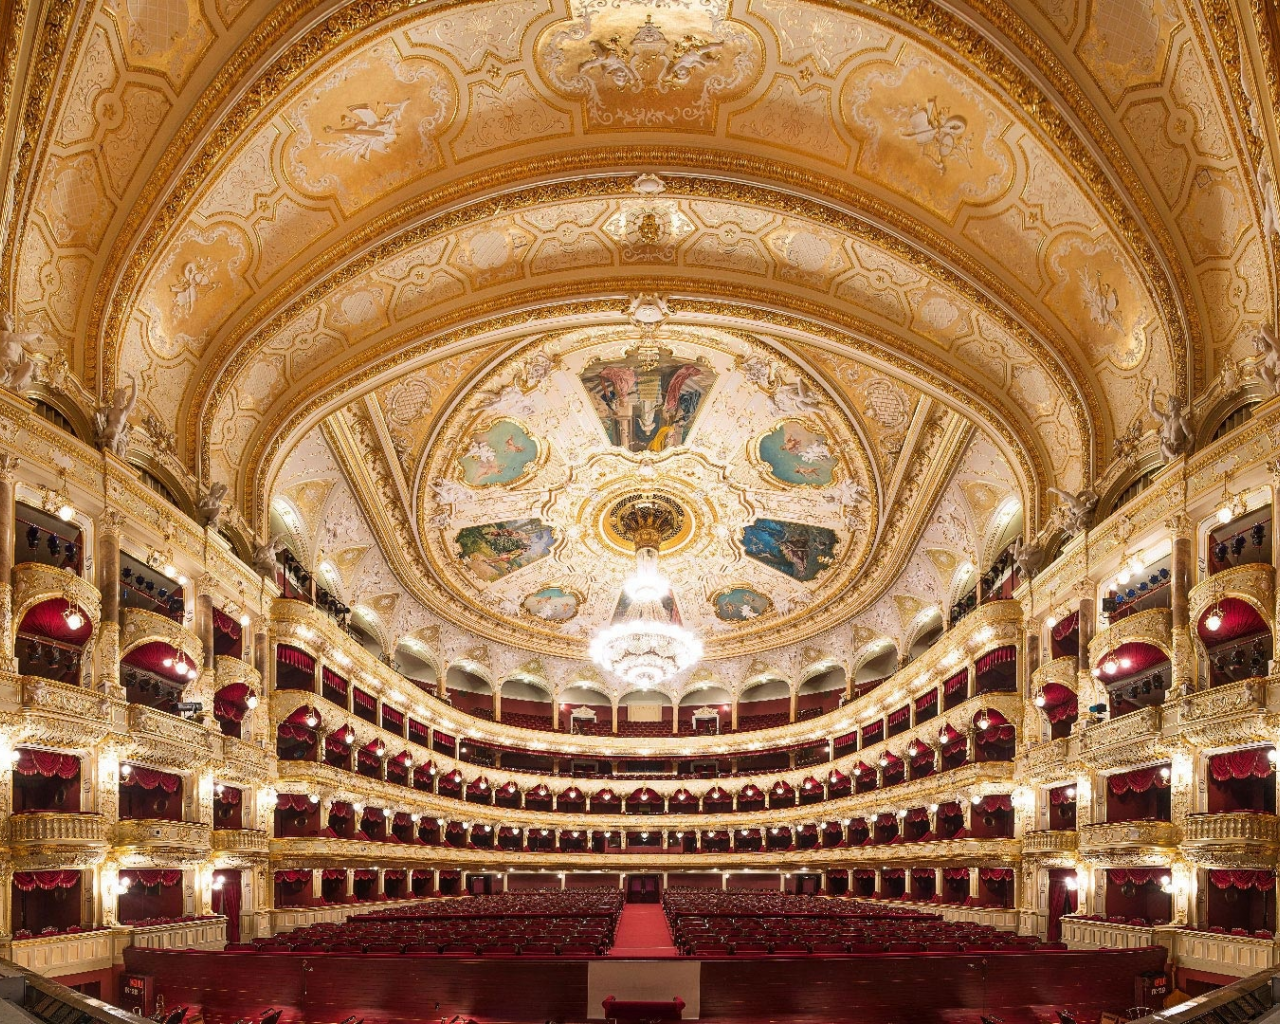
x=726 y=510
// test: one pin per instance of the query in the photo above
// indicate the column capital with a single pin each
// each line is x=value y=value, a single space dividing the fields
x=110 y=524
x=9 y=467
x=1179 y=524
x=205 y=584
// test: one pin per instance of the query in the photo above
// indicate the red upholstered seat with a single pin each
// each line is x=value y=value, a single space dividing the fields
x=866 y=947
x=749 y=948
x=828 y=947
x=459 y=949
x=508 y=948
x=384 y=947
x=421 y=947
x=578 y=949
x=943 y=947
x=791 y=947
x=239 y=947
x=905 y=947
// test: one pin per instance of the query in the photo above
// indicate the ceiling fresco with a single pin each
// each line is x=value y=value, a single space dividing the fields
x=428 y=284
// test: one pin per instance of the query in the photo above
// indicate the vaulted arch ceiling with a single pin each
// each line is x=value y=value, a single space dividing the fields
x=328 y=227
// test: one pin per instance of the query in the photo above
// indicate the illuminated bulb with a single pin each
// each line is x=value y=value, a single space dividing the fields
x=218 y=882
x=312 y=721
x=984 y=722
x=66 y=512
x=1051 y=621
x=357 y=807
x=219 y=789
x=1071 y=792
x=312 y=798
x=381 y=749
x=73 y=617
x=251 y=701
x=483 y=786
x=386 y=812
x=975 y=800
x=1071 y=884
x=244 y=619
x=933 y=808
x=1213 y=621
x=1124 y=576
x=1126 y=663
x=1164 y=773
x=1110 y=667
x=167 y=663
x=1271 y=755
x=884 y=762
x=1039 y=701
x=126 y=770
x=1224 y=515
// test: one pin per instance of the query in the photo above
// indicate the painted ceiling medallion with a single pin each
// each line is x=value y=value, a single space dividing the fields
x=732 y=458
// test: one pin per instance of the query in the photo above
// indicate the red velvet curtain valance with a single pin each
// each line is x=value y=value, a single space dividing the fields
x=838 y=873
x=224 y=623
x=1263 y=881
x=302 y=733
x=229 y=796
x=1059 y=796
x=885 y=820
x=999 y=802
x=995 y=734
x=48 y=763
x=1138 y=781
x=871 y=734
x=1135 y=876
x=1066 y=627
x=293 y=877
x=996 y=874
x=899 y=716
x=1241 y=764
x=922 y=873
x=364 y=700
x=955 y=682
x=918 y=814
x=29 y=881
x=1000 y=656
x=333 y=874
x=888 y=873
x=421 y=873
x=955 y=874
x=364 y=875
x=394 y=875
x=1061 y=712
x=150 y=778
x=393 y=716
x=340 y=809
x=295 y=658
x=927 y=701
x=293 y=802
x=864 y=873
x=925 y=757
x=336 y=742
x=150 y=879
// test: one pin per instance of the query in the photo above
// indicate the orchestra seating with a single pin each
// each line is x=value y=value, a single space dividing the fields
x=706 y=923
x=550 y=923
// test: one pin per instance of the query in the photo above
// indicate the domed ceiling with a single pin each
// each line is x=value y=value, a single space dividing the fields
x=434 y=285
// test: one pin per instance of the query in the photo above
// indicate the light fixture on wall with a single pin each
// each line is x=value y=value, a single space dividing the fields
x=1230 y=505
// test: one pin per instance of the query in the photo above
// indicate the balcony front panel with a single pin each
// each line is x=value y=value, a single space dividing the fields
x=53 y=839
x=1127 y=837
x=57 y=955
x=241 y=842
x=1253 y=583
x=139 y=626
x=71 y=717
x=205 y=933
x=34 y=583
x=163 y=740
x=1235 y=714
x=1127 y=741
x=1049 y=842
x=1149 y=627
x=161 y=842
x=1233 y=840
x=1079 y=933
x=1234 y=955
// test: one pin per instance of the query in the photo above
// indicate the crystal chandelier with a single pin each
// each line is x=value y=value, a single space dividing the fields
x=646 y=649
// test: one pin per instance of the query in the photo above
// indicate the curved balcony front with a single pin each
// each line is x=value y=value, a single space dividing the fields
x=52 y=839
x=1127 y=839
x=166 y=741
x=162 y=843
x=240 y=843
x=1049 y=842
x=1232 y=840
x=1252 y=583
x=1060 y=671
x=1148 y=627
x=138 y=626
x=35 y=583
x=992 y=625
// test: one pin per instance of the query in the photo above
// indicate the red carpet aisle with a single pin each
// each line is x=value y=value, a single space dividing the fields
x=643 y=931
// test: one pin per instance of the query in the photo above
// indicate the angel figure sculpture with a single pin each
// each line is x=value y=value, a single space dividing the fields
x=112 y=421
x=1174 y=424
x=1076 y=510
x=209 y=507
x=264 y=555
x=1267 y=345
x=16 y=365
x=1027 y=556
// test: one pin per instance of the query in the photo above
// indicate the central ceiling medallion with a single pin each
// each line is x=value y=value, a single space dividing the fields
x=646 y=649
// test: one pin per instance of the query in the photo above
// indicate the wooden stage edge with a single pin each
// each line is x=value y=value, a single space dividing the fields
x=933 y=988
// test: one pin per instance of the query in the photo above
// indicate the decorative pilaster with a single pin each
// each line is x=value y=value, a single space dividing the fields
x=8 y=475
x=1179 y=525
x=107 y=647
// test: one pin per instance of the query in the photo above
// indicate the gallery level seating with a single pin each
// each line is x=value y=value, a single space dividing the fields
x=706 y=923
x=569 y=923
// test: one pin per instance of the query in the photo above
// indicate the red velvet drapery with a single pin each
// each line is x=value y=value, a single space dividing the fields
x=149 y=879
x=47 y=763
x=29 y=881
x=293 y=802
x=1059 y=795
x=150 y=778
x=295 y=658
x=955 y=874
x=899 y=716
x=996 y=874
x=1066 y=627
x=293 y=877
x=998 y=802
x=955 y=682
x=1137 y=781
x=1000 y=656
x=1239 y=619
x=1136 y=876
x=1241 y=764
x=1263 y=881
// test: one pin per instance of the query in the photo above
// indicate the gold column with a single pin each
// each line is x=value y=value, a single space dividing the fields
x=8 y=476
x=1179 y=525
x=108 y=646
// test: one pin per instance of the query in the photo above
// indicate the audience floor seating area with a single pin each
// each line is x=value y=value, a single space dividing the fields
x=707 y=923
x=553 y=923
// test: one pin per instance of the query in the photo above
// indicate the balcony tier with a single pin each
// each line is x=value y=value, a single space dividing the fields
x=53 y=839
x=153 y=841
x=1049 y=841
x=1232 y=840
x=241 y=842
x=1127 y=838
